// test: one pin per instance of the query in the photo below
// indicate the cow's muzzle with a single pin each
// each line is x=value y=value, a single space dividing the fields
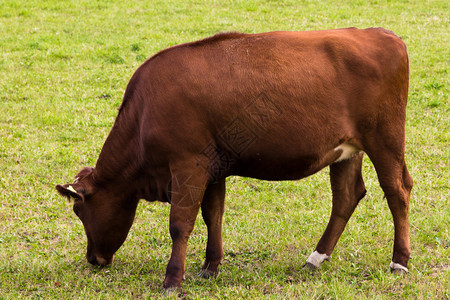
x=97 y=260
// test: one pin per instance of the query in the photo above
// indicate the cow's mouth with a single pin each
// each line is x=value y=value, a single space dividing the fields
x=97 y=260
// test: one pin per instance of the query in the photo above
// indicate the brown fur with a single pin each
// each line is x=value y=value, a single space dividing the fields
x=271 y=106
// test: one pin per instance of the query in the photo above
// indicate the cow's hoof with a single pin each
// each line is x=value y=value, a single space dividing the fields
x=398 y=269
x=315 y=260
x=310 y=266
x=204 y=273
x=399 y=272
x=172 y=291
x=172 y=286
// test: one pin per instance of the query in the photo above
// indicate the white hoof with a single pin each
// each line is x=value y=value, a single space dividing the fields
x=316 y=259
x=398 y=268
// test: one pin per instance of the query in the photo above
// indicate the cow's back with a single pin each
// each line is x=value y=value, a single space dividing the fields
x=273 y=99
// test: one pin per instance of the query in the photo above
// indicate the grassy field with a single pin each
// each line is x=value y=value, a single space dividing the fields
x=64 y=66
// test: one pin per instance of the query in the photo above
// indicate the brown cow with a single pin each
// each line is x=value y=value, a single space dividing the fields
x=273 y=106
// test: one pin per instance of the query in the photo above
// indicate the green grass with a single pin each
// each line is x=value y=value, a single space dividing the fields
x=64 y=66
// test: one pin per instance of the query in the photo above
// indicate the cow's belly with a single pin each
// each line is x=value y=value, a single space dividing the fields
x=278 y=167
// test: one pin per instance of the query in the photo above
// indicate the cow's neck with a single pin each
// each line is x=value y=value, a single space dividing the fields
x=121 y=166
x=119 y=162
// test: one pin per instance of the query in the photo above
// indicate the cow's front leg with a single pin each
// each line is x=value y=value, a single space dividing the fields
x=212 y=212
x=186 y=195
x=348 y=188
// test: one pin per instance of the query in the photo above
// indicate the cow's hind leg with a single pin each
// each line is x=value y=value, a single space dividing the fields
x=213 y=206
x=396 y=183
x=348 y=188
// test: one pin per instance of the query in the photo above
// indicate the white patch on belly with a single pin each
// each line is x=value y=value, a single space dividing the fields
x=317 y=259
x=347 y=151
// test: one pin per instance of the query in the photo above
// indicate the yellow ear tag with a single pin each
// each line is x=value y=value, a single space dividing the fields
x=70 y=188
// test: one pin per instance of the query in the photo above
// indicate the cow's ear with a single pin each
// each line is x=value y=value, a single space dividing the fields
x=69 y=191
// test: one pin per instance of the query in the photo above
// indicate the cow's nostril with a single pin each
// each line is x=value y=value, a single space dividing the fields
x=92 y=260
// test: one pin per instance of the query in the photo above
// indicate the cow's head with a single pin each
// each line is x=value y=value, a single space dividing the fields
x=105 y=214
